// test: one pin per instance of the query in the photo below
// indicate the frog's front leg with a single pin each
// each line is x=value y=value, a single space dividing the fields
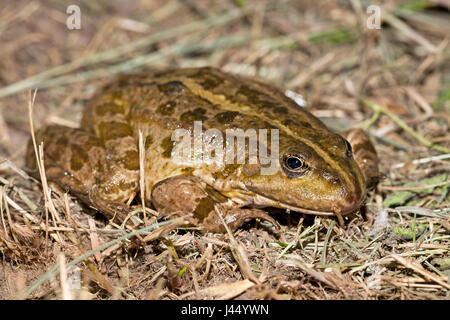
x=365 y=155
x=185 y=194
x=77 y=161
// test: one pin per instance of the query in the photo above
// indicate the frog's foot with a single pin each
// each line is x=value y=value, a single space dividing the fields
x=111 y=209
x=365 y=155
x=185 y=194
x=188 y=194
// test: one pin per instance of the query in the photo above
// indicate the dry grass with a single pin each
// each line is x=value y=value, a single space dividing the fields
x=393 y=82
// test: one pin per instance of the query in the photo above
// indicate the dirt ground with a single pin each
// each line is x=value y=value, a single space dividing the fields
x=391 y=79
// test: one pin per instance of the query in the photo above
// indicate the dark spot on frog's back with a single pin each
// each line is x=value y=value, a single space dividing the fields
x=78 y=158
x=197 y=114
x=203 y=208
x=172 y=88
x=113 y=129
x=108 y=108
x=92 y=142
x=132 y=160
x=167 y=145
x=251 y=95
x=266 y=104
x=280 y=110
x=166 y=109
x=229 y=169
x=188 y=170
x=62 y=141
x=148 y=141
x=290 y=122
x=207 y=78
x=226 y=117
x=305 y=124
x=210 y=83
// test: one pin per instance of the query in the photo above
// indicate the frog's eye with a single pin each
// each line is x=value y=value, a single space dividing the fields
x=349 y=148
x=294 y=166
x=294 y=163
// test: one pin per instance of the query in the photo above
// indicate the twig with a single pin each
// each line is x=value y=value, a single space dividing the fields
x=323 y=258
x=8 y=216
x=422 y=160
x=428 y=186
x=408 y=31
x=403 y=125
x=419 y=269
x=66 y=294
x=142 y=174
x=39 y=153
x=237 y=250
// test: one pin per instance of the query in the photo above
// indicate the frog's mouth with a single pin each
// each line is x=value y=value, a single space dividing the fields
x=263 y=201
x=244 y=197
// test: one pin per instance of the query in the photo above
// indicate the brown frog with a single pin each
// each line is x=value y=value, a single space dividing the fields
x=316 y=171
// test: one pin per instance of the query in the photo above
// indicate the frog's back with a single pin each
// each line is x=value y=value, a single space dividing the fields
x=176 y=98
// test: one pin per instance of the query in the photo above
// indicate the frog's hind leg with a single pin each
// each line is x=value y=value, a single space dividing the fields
x=70 y=156
x=365 y=155
x=77 y=161
x=185 y=194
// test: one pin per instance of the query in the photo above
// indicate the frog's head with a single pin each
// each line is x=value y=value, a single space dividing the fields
x=319 y=177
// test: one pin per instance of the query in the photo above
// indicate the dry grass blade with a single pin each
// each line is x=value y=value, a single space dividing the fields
x=66 y=294
x=423 y=160
x=22 y=211
x=408 y=31
x=323 y=258
x=39 y=153
x=142 y=174
x=226 y=291
x=403 y=125
x=94 y=274
x=419 y=269
x=237 y=250
x=318 y=65
x=94 y=239
x=295 y=261
x=8 y=215
x=2 y=191
x=428 y=186
x=158 y=233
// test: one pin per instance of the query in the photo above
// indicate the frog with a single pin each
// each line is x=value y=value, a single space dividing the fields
x=316 y=170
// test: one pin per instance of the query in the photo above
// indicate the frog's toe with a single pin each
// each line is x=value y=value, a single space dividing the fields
x=112 y=210
x=238 y=217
